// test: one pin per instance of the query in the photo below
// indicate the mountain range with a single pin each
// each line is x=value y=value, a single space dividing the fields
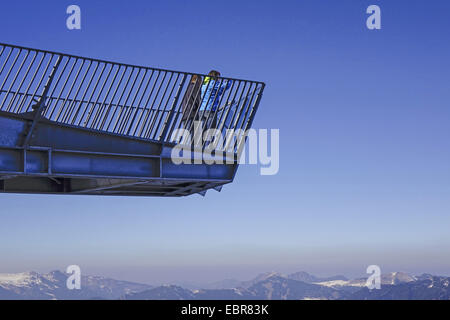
x=52 y=286
x=267 y=286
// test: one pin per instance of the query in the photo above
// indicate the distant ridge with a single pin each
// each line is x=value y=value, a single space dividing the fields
x=267 y=286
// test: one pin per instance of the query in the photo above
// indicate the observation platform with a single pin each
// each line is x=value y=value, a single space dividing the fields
x=75 y=125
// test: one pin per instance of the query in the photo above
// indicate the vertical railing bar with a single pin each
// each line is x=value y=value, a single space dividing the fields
x=40 y=104
x=6 y=61
x=14 y=80
x=92 y=94
x=234 y=126
x=3 y=49
x=255 y=106
x=42 y=78
x=227 y=107
x=10 y=69
x=72 y=106
x=91 y=112
x=168 y=114
x=49 y=111
x=1 y=54
x=233 y=113
x=128 y=113
x=62 y=112
x=109 y=106
x=80 y=106
x=168 y=123
x=120 y=99
x=246 y=109
x=242 y=108
x=150 y=111
x=237 y=110
x=158 y=127
x=123 y=111
x=62 y=90
x=100 y=108
x=237 y=113
x=139 y=103
x=26 y=93
x=138 y=124
x=157 y=111
x=49 y=83
x=252 y=114
x=248 y=102
x=11 y=104
x=129 y=110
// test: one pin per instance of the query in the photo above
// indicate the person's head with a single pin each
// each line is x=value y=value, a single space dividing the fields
x=194 y=78
x=214 y=73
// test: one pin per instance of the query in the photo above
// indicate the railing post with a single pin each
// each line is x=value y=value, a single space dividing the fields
x=40 y=105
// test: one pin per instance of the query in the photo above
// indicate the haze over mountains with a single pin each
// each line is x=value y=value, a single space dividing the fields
x=267 y=286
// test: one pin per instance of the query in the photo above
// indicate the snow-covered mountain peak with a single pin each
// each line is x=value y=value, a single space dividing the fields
x=18 y=279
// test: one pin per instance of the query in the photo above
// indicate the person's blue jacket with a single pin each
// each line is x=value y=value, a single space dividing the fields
x=214 y=90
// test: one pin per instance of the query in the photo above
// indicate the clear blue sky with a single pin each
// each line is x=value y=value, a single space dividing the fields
x=364 y=127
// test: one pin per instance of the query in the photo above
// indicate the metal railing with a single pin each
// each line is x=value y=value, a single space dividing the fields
x=119 y=98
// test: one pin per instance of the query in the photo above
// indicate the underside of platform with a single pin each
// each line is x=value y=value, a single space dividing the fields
x=63 y=159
